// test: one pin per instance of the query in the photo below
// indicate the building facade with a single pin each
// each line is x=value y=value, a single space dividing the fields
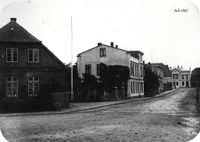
x=167 y=77
x=181 y=77
x=28 y=69
x=89 y=61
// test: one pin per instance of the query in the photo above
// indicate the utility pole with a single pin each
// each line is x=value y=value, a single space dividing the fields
x=72 y=84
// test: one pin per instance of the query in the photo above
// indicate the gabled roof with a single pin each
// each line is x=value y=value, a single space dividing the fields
x=133 y=53
x=176 y=69
x=98 y=46
x=13 y=32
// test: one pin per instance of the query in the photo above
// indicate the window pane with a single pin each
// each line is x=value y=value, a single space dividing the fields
x=8 y=54
x=36 y=55
x=36 y=84
x=15 y=55
x=14 y=78
x=14 y=84
x=36 y=78
x=33 y=55
x=31 y=84
x=30 y=78
x=8 y=78
x=30 y=54
x=12 y=54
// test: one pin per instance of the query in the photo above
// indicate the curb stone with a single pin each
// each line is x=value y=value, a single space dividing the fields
x=79 y=109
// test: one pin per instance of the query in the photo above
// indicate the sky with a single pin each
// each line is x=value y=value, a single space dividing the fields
x=166 y=31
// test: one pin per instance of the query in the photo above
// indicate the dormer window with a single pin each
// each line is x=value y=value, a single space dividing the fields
x=11 y=55
x=102 y=52
x=33 y=55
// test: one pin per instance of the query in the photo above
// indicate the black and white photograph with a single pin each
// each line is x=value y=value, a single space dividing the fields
x=99 y=70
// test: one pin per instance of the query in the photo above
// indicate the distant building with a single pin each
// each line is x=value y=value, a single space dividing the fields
x=181 y=77
x=167 y=77
x=28 y=69
x=88 y=62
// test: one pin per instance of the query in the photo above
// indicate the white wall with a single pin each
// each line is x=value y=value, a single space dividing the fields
x=113 y=57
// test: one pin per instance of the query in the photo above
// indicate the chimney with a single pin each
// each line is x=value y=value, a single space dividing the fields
x=112 y=44
x=99 y=44
x=13 y=19
x=116 y=46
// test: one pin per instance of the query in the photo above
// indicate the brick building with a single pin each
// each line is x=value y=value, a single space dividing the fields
x=28 y=69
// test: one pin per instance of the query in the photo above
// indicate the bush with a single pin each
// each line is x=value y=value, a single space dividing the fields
x=167 y=86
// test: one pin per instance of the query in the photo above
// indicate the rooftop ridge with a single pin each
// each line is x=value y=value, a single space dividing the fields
x=13 y=32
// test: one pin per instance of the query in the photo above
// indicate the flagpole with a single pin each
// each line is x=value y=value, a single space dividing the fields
x=72 y=90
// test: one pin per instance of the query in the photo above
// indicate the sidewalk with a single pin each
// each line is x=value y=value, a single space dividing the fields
x=77 y=107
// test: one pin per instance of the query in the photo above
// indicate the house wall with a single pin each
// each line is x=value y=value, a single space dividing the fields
x=45 y=78
x=46 y=59
x=181 y=82
x=185 y=79
x=136 y=81
x=48 y=68
x=113 y=57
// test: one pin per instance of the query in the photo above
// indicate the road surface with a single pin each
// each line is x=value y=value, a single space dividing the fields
x=173 y=118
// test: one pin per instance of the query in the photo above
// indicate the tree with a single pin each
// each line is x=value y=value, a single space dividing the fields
x=113 y=77
x=195 y=81
x=89 y=86
x=195 y=78
x=151 y=82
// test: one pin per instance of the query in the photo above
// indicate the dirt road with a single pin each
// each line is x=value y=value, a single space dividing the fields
x=173 y=118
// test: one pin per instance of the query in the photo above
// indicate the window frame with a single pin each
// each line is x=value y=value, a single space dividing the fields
x=98 y=69
x=12 y=87
x=12 y=55
x=33 y=82
x=102 y=52
x=88 y=68
x=34 y=50
x=183 y=76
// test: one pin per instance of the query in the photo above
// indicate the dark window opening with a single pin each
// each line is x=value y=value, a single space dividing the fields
x=88 y=69
x=102 y=52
